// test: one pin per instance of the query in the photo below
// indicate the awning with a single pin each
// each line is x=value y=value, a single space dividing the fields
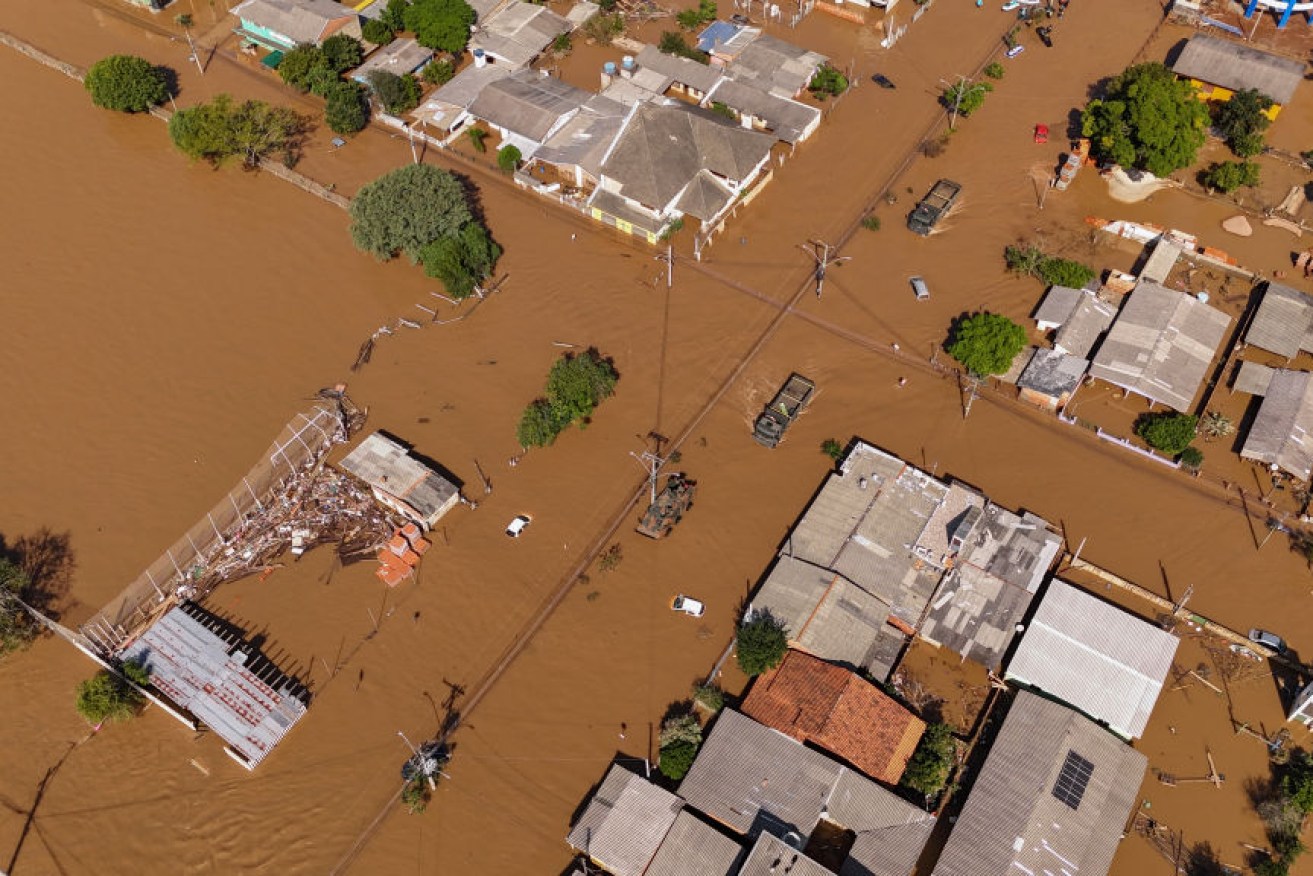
x=272 y=60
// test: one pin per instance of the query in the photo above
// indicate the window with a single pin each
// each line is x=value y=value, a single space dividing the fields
x=1073 y=779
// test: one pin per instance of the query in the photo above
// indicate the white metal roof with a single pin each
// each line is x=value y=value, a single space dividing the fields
x=1095 y=657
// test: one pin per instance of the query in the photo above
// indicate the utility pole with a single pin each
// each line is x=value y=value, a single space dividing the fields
x=957 y=100
x=425 y=764
x=820 y=251
x=669 y=259
x=973 y=384
x=651 y=462
x=410 y=135
x=185 y=21
x=1185 y=597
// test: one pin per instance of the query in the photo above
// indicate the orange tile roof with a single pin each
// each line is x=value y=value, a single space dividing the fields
x=814 y=701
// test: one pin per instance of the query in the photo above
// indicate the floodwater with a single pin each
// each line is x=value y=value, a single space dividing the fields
x=163 y=320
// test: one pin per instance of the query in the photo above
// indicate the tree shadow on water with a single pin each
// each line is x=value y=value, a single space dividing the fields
x=48 y=560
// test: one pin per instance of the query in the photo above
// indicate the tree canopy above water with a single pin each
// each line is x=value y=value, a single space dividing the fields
x=1147 y=119
x=126 y=83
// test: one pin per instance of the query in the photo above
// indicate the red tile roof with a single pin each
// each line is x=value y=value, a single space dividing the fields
x=814 y=701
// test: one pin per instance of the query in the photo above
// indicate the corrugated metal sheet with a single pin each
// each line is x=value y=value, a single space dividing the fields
x=694 y=848
x=1236 y=66
x=1282 y=433
x=625 y=822
x=1283 y=322
x=1253 y=378
x=1102 y=660
x=1012 y=822
x=772 y=857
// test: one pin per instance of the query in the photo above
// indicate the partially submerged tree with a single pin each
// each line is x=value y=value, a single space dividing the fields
x=17 y=628
x=404 y=211
x=107 y=697
x=126 y=83
x=827 y=81
x=986 y=343
x=347 y=110
x=760 y=643
x=681 y=736
x=463 y=261
x=251 y=130
x=1227 y=176
x=440 y=24
x=1242 y=121
x=965 y=97
x=576 y=385
x=1146 y=119
x=1169 y=432
x=397 y=94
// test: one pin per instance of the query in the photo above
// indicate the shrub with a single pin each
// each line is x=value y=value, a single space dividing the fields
x=1169 y=432
x=1192 y=458
x=377 y=31
x=871 y=223
x=415 y=795
x=673 y=43
x=397 y=94
x=709 y=697
x=137 y=673
x=106 y=697
x=611 y=558
x=760 y=643
x=1024 y=259
x=932 y=762
x=562 y=44
x=17 y=628
x=680 y=728
x=347 y=111
x=677 y=759
x=126 y=83
x=1064 y=272
x=477 y=136
x=995 y=70
x=439 y=72
x=576 y=385
x=986 y=343
x=723 y=109
x=689 y=19
x=965 y=96
x=1228 y=176
x=832 y=448
x=508 y=159
x=827 y=81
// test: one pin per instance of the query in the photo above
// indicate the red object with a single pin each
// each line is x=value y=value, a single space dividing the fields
x=1041 y=133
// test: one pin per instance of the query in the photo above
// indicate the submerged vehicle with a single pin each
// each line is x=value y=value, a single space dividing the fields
x=669 y=506
x=688 y=605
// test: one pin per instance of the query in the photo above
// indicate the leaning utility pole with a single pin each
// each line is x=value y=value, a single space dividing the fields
x=651 y=462
x=184 y=21
x=821 y=253
x=669 y=259
x=957 y=100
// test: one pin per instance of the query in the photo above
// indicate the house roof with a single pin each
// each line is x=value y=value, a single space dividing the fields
x=837 y=710
x=787 y=119
x=694 y=848
x=518 y=32
x=890 y=832
x=398 y=57
x=1053 y=373
x=776 y=66
x=527 y=103
x=1282 y=433
x=771 y=857
x=717 y=33
x=1161 y=345
x=1058 y=305
x=831 y=617
x=1095 y=657
x=1253 y=378
x=1236 y=66
x=387 y=467
x=450 y=102
x=1161 y=261
x=302 y=21
x=663 y=148
x=1014 y=820
x=625 y=822
x=196 y=661
x=1283 y=322
x=1083 y=330
x=752 y=778
x=685 y=71
x=704 y=197
x=583 y=140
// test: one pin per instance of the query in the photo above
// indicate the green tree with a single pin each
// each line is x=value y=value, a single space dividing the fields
x=477 y=136
x=17 y=628
x=1169 y=432
x=709 y=697
x=561 y=44
x=463 y=261
x=220 y=129
x=440 y=24
x=995 y=70
x=298 y=66
x=377 y=31
x=1147 y=119
x=677 y=759
x=538 y=426
x=1242 y=121
x=406 y=210
x=966 y=96
x=321 y=81
x=1228 y=176
x=832 y=448
x=397 y=94
x=1064 y=272
x=986 y=343
x=106 y=697
x=394 y=14
x=1297 y=781
x=928 y=770
x=680 y=728
x=1025 y=259
x=760 y=643
x=1192 y=458
x=439 y=72
x=137 y=673
x=342 y=52
x=577 y=384
x=605 y=26
x=508 y=158
x=126 y=83
x=673 y=43
x=827 y=81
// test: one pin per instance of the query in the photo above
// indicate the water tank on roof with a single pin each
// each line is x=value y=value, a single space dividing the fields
x=628 y=63
x=609 y=68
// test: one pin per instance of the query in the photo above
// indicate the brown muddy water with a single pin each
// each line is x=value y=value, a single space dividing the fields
x=162 y=321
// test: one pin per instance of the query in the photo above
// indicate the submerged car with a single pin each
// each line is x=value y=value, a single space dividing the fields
x=688 y=605
x=518 y=525
x=919 y=288
x=1268 y=640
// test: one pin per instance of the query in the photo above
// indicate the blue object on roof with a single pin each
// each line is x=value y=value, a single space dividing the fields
x=717 y=31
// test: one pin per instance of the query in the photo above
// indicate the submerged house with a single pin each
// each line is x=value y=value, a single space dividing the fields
x=1283 y=323
x=398 y=57
x=285 y=24
x=1282 y=433
x=527 y=107
x=516 y=33
x=1219 y=67
x=400 y=481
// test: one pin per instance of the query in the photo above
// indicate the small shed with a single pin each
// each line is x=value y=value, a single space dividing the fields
x=400 y=481
x=1051 y=378
x=1057 y=307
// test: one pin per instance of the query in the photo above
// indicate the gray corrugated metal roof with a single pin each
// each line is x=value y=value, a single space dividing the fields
x=685 y=71
x=1053 y=373
x=1082 y=331
x=625 y=822
x=1282 y=432
x=694 y=848
x=776 y=66
x=387 y=467
x=1236 y=66
x=1283 y=322
x=192 y=666
x=302 y=21
x=1253 y=378
x=773 y=857
x=1161 y=261
x=1095 y=657
x=663 y=148
x=787 y=119
x=752 y=778
x=1161 y=345
x=583 y=141
x=518 y=32
x=398 y=58
x=528 y=103
x=1012 y=822
x=1058 y=305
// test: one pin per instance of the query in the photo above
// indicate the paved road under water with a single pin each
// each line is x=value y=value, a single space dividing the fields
x=162 y=320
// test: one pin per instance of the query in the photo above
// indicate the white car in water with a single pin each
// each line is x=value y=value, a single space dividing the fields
x=518 y=525
x=688 y=605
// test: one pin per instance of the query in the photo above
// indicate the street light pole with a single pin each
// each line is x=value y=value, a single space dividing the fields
x=185 y=21
x=821 y=253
